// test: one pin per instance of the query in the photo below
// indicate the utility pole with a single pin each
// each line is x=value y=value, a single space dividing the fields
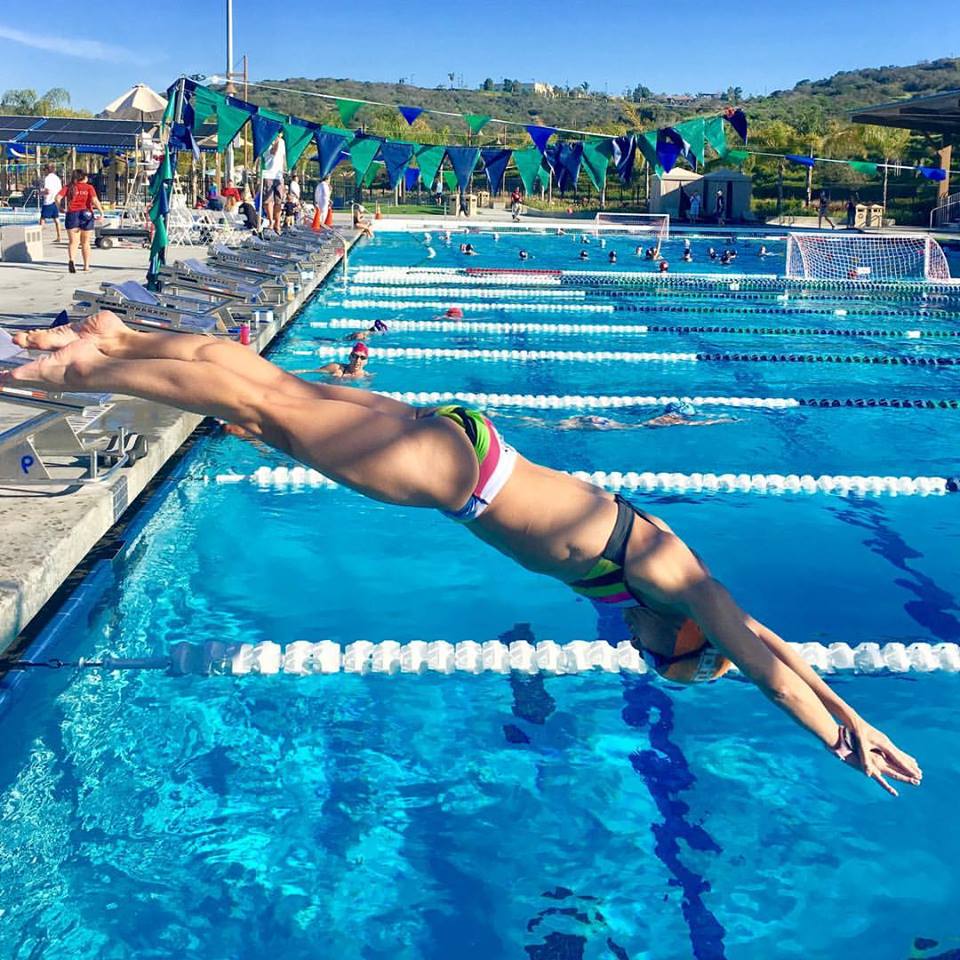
x=228 y=169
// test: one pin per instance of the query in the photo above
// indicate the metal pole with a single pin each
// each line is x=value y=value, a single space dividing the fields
x=228 y=169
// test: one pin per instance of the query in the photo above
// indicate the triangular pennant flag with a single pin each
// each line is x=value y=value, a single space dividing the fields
x=167 y=117
x=716 y=135
x=540 y=135
x=669 y=147
x=463 y=160
x=647 y=145
x=932 y=173
x=205 y=105
x=163 y=175
x=347 y=110
x=410 y=177
x=693 y=133
x=296 y=138
x=230 y=121
x=429 y=160
x=738 y=120
x=799 y=160
x=569 y=159
x=624 y=152
x=864 y=167
x=340 y=131
x=409 y=114
x=495 y=162
x=476 y=121
x=330 y=150
x=264 y=132
x=595 y=161
x=370 y=174
x=528 y=163
x=737 y=156
x=362 y=152
x=396 y=154
x=449 y=179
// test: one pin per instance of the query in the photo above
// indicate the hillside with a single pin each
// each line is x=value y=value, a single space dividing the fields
x=831 y=98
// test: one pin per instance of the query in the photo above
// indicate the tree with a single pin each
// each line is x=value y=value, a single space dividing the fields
x=888 y=142
x=585 y=87
x=640 y=93
x=26 y=102
x=487 y=84
x=507 y=85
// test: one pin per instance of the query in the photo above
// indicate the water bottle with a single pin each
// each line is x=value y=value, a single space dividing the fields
x=245 y=333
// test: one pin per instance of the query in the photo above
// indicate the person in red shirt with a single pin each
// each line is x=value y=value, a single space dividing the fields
x=231 y=195
x=79 y=200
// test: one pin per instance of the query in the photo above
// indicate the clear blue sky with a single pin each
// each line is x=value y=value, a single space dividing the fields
x=760 y=45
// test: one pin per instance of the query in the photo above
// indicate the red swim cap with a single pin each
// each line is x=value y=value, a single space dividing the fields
x=455 y=312
x=361 y=348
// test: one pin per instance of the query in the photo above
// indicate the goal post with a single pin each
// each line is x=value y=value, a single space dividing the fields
x=641 y=224
x=865 y=257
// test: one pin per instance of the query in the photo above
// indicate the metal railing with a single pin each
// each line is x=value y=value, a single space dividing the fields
x=947 y=211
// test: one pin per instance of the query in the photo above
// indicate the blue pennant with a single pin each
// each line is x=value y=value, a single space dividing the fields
x=410 y=177
x=738 y=120
x=801 y=161
x=569 y=158
x=329 y=151
x=932 y=173
x=410 y=113
x=624 y=150
x=495 y=163
x=396 y=154
x=540 y=135
x=669 y=147
x=463 y=160
x=265 y=131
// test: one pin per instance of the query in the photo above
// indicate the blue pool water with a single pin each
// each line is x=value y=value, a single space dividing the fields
x=485 y=817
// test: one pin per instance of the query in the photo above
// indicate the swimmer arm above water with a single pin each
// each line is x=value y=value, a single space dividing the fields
x=671 y=574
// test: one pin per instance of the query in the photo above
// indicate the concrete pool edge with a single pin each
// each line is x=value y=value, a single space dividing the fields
x=49 y=530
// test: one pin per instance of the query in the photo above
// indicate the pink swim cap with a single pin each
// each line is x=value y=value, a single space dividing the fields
x=455 y=312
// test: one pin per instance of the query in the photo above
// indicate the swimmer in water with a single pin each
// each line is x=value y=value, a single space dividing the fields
x=663 y=266
x=687 y=256
x=678 y=413
x=378 y=326
x=612 y=256
x=584 y=255
x=523 y=255
x=451 y=458
x=354 y=369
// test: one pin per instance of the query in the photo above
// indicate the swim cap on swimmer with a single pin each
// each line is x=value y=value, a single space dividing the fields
x=360 y=348
x=454 y=313
x=691 y=660
x=683 y=407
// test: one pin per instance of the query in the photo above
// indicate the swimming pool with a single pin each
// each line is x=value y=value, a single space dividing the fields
x=587 y=816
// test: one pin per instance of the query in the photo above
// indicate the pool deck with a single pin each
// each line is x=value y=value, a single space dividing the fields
x=46 y=531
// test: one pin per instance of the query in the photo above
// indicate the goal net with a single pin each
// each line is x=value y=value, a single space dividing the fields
x=844 y=257
x=646 y=224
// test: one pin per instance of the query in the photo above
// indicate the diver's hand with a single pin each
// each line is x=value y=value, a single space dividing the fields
x=875 y=755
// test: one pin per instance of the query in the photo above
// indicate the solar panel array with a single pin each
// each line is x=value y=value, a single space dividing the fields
x=72 y=132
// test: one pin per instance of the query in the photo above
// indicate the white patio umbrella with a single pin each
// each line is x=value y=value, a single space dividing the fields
x=138 y=103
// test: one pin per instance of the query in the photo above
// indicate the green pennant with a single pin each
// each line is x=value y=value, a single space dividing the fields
x=206 y=103
x=450 y=179
x=543 y=177
x=160 y=239
x=164 y=173
x=528 y=164
x=693 y=132
x=647 y=145
x=370 y=174
x=476 y=121
x=429 y=160
x=167 y=117
x=347 y=110
x=230 y=121
x=362 y=153
x=595 y=162
x=736 y=156
x=716 y=135
x=604 y=146
x=862 y=166
x=297 y=139
x=273 y=115
x=339 y=131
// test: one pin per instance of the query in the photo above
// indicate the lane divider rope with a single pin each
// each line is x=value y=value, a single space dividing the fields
x=627 y=356
x=419 y=657
x=357 y=304
x=648 y=482
x=591 y=402
x=494 y=326
x=359 y=290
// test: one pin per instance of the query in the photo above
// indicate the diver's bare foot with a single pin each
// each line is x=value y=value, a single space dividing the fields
x=103 y=329
x=66 y=368
x=46 y=338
